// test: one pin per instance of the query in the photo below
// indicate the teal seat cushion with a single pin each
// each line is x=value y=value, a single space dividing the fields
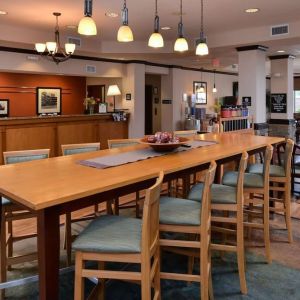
x=80 y=150
x=220 y=194
x=110 y=234
x=121 y=145
x=275 y=171
x=18 y=159
x=5 y=201
x=250 y=180
x=175 y=211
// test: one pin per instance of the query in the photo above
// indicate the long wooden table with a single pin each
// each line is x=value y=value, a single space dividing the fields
x=54 y=186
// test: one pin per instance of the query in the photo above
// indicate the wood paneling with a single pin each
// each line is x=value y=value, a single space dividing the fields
x=112 y=130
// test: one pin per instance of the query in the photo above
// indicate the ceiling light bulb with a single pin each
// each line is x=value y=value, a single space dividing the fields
x=40 y=47
x=87 y=26
x=280 y=51
x=202 y=48
x=181 y=45
x=125 y=34
x=251 y=10
x=214 y=90
x=51 y=47
x=70 y=48
x=156 y=40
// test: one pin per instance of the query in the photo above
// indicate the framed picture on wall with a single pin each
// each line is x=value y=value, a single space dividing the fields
x=4 y=108
x=48 y=100
x=200 y=90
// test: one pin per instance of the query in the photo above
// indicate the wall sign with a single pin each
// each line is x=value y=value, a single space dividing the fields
x=166 y=101
x=128 y=97
x=278 y=103
x=246 y=101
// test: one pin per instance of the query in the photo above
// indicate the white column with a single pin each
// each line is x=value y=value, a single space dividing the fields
x=252 y=79
x=134 y=84
x=282 y=82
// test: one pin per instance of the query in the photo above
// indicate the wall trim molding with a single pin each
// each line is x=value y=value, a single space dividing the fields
x=112 y=60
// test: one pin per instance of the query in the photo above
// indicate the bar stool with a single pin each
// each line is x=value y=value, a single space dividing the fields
x=13 y=212
x=121 y=143
x=70 y=149
x=190 y=217
x=257 y=187
x=280 y=175
x=113 y=238
x=229 y=202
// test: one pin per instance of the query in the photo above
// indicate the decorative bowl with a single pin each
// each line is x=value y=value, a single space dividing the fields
x=164 y=147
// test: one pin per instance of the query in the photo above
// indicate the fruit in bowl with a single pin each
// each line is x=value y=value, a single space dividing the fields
x=162 y=138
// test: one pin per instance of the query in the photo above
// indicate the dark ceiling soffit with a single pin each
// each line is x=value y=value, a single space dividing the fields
x=252 y=47
x=285 y=56
x=111 y=60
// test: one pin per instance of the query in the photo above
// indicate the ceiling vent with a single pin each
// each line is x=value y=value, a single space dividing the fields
x=91 y=69
x=74 y=40
x=280 y=30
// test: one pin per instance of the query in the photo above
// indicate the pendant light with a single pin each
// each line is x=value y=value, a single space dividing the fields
x=156 y=40
x=202 y=48
x=87 y=25
x=181 y=43
x=125 y=33
x=214 y=89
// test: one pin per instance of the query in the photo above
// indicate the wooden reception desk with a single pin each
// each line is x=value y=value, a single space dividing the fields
x=51 y=132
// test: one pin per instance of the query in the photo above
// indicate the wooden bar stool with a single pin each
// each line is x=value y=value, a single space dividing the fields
x=119 y=239
x=228 y=203
x=121 y=143
x=257 y=187
x=12 y=212
x=70 y=149
x=190 y=217
x=280 y=183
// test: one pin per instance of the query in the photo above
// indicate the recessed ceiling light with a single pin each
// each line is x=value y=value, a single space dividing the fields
x=111 y=14
x=251 y=10
x=166 y=28
x=280 y=51
x=71 y=26
x=2 y=12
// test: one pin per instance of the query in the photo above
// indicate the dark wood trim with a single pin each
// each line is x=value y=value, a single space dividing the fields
x=112 y=60
x=282 y=121
x=285 y=56
x=252 y=47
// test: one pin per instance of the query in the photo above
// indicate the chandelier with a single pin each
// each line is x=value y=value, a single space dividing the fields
x=54 y=50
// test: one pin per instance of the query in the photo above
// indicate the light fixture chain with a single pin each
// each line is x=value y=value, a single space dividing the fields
x=124 y=4
x=202 y=21
x=156 y=10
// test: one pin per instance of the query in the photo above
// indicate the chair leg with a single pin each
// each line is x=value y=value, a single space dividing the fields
x=10 y=239
x=101 y=282
x=156 y=279
x=241 y=253
x=210 y=286
x=3 y=254
x=79 y=280
x=267 y=228
x=137 y=204
x=204 y=284
x=68 y=238
x=287 y=212
x=146 y=280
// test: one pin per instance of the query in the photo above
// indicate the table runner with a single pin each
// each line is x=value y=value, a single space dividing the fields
x=113 y=160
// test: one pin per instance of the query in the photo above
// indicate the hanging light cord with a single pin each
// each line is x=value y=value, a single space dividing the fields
x=181 y=11
x=124 y=6
x=156 y=11
x=202 y=22
x=156 y=19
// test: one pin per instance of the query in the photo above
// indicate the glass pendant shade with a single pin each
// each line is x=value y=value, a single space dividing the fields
x=215 y=90
x=70 y=48
x=51 y=47
x=156 y=40
x=125 y=34
x=181 y=45
x=87 y=26
x=40 y=47
x=202 y=48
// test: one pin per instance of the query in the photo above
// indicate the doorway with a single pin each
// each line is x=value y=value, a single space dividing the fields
x=148 y=109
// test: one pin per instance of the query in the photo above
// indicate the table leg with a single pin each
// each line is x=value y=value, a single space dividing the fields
x=48 y=253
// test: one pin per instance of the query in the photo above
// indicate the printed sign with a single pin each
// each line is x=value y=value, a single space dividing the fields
x=246 y=101
x=278 y=103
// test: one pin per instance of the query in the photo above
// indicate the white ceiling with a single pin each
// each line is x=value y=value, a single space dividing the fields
x=226 y=26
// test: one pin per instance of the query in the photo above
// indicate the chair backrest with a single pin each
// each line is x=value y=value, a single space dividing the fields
x=266 y=166
x=185 y=133
x=287 y=158
x=150 y=229
x=122 y=143
x=240 y=180
x=206 y=201
x=70 y=149
x=13 y=157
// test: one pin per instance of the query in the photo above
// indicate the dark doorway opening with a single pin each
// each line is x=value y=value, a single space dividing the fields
x=148 y=109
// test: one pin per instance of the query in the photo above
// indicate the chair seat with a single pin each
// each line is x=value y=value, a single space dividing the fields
x=250 y=180
x=175 y=211
x=275 y=171
x=110 y=234
x=220 y=194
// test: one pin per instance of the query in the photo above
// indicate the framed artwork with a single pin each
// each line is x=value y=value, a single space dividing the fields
x=48 y=100
x=4 y=108
x=128 y=97
x=200 y=90
x=102 y=108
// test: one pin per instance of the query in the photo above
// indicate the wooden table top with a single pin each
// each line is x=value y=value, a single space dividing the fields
x=48 y=182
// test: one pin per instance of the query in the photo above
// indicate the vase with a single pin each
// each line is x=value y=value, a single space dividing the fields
x=91 y=109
